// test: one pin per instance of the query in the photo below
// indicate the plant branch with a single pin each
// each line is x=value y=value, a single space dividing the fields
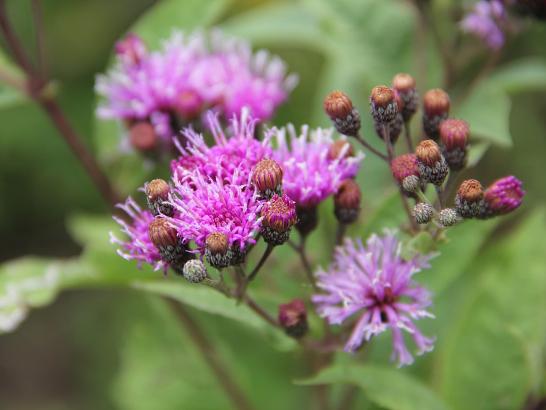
x=300 y=250
x=40 y=36
x=264 y=257
x=260 y=311
x=211 y=357
x=407 y=134
x=366 y=145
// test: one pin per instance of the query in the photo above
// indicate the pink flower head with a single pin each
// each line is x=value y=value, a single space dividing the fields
x=486 y=21
x=504 y=195
x=187 y=75
x=310 y=174
x=138 y=245
x=375 y=281
x=208 y=205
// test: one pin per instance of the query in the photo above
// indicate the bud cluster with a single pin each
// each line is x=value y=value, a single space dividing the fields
x=339 y=107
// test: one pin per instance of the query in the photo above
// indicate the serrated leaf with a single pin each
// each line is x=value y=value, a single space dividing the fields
x=391 y=389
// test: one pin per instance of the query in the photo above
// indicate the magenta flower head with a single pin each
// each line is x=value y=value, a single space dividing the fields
x=376 y=282
x=187 y=75
x=310 y=173
x=235 y=149
x=138 y=245
x=216 y=208
x=485 y=21
x=503 y=196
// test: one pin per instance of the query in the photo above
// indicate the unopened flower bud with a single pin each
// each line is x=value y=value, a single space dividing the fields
x=395 y=129
x=502 y=196
x=307 y=219
x=383 y=104
x=340 y=149
x=339 y=107
x=454 y=136
x=347 y=202
x=448 y=217
x=469 y=198
x=423 y=212
x=279 y=215
x=143 y=137
x=267 y=177
x=436 y=105
x=217 y=250
x=157 y=194
x=432 y=164
x=293 y=318
x=404 y=85
x=405 y=170
x=194 y=271
x=165 y=238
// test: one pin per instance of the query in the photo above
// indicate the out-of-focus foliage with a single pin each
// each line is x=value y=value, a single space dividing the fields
x=489 y=280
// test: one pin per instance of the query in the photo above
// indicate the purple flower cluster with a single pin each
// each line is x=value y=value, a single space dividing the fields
x=138 y=246
x=376 y=281
x=188 y=75
x=310 y=174
x=486 y=21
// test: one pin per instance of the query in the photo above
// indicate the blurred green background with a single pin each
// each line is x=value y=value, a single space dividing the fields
x=76 y=352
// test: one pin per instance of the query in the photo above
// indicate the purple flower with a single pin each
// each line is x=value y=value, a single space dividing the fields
x=208 y=206
x=486 y=21
x=188 y=75
x=310 y=174
x=235 y=150
x=138 y=245
x=504 y=195
x=375 y=281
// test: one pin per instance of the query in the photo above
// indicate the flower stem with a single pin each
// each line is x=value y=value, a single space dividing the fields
x=340 y=233
x=300 y=249
x=211 y=357
x=366 y=145
x=264 y=257
x=407 y=134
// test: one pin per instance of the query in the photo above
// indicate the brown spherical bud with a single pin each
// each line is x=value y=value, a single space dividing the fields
x=383 y=104
x=340 y=149
x=293 y=318
x=267 y=177
x=162 y=234
x=143 y=137
x=432 y=164
x=428 y=152
x=403 y=166
x=339 y=108
x=347 y=202
x=470 y=190
x=403 y=82
x=217 y=250
x=157 y=189
x=436 y=102
x=338 y=105
x=454 y=134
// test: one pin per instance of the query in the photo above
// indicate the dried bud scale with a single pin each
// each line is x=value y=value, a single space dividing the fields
x=194 y=271
x=347 y=202
x=454 y=136
x=157 y=195
x=279 y=215
x=383 y=104
x=143 y=137
x=267 y=177
x=448 y=217
x=339 y=107
x=432 y=164
x=293 y=318
x=404 y=85
x=217 y=250
x=395 y=129
x=436 y=106
x=469 y=199
x=423 y=213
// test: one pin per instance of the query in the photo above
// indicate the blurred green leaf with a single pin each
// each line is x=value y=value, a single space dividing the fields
x=389 y=214
x=389 y=388
x=11 y=80
x=158 y=23
x=493 y=356
x=521 y=75
x=160 y=368
x=487 y=110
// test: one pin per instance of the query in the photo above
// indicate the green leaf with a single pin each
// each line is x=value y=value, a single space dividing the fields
x=158 y=23
x=389 y=214
x=492 y=358
x=487 y=110
x=388 y=388
x=522 y=75
x=12 y=80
